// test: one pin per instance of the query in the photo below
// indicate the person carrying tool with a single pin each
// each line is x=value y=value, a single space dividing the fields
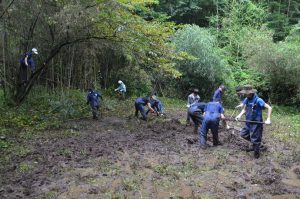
x=253 y=127
x=196 y=111
x=25 y=62
x=192 y=99
x=213 y=112
x=144 y=101
x=93 y=98
x=157 y=107
x=121 y=89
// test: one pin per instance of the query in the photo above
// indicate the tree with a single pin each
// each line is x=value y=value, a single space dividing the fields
x=207 y=68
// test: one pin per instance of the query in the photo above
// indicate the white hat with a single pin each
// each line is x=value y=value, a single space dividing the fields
x=120 y=82
x=34 y=50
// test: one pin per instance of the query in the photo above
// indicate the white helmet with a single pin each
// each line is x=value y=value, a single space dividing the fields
x=120 y=82
x=34 y=50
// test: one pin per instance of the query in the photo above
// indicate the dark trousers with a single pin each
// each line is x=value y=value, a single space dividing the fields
x=140 y=107
x=197 y=118
x=252 y=133
x=95 y=111
x=23 y=73
x=213 y=125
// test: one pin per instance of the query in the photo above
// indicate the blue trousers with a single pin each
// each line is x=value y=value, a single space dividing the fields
x=140 y=107
x=213 y=125
x=252 y=133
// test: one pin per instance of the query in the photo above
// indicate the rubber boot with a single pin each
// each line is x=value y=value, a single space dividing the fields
x=256 y=151
x=196 y=128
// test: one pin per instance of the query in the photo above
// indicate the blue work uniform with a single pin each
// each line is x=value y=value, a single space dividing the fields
x=192 y=99
x=93 y=98
x=196 y=112
x=139 y=106
x=213 y=111
x=31 y=64
x=217 y=97
x=157 y=106
x=252 y=131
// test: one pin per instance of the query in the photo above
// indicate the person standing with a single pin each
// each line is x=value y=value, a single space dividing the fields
x=192 y=99
x=93 y=98
x=253 y=106
x=217 y=97
x=27 y=62
x=121 y=89
x=212 y=114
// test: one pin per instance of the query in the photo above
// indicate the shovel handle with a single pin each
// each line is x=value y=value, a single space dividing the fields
x=249 y=121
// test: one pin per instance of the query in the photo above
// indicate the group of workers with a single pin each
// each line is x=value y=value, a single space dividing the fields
x=206 y=115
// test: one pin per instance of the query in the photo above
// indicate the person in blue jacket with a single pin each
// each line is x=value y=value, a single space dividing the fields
x=144 y=101
x=253 y=106
x=196 y=111
x=212 y=114
x=93 y=98
x=217 y=97
x=27 y=62
x=157 y=107
x=121 y=89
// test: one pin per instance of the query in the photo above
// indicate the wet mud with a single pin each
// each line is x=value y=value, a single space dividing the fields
x=129 y=158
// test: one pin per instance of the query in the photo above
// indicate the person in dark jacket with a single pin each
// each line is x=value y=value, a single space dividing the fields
x=144 y=101
x=93 y=99
x=196 y=111
x=212 y=114
x=27 y=62
x=157 y=107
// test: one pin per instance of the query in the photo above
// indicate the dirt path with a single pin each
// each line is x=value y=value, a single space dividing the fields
x=128 y=158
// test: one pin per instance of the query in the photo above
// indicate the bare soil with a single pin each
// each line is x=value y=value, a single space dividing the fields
x=124 y=157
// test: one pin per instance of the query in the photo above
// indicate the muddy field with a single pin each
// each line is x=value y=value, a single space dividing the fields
x=124 y=157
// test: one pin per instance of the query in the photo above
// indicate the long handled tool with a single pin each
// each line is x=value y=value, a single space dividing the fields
x=249 y=121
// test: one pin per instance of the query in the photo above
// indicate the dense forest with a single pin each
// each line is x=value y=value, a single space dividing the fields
x=163 y=46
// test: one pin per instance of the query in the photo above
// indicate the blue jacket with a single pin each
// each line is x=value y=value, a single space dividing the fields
x=254 y=108
x=217 y=97
x=157 y=105
x=93 y=98
x=213 y=111
x=30 y=60
x=197 y=107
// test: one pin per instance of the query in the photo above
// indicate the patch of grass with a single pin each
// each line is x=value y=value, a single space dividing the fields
x=286 y=124
x=130 y=184
x=106 y=166
x=69 y=133
x=25 y=168
x=4 y=144
x=65 y=152
x=22 y=151
x=48 y=195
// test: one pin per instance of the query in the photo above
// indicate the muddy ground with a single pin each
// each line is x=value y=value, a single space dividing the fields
x=123 y=157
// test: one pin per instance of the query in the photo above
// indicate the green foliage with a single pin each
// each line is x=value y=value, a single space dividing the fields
x=208 y=68
x=277 y=64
